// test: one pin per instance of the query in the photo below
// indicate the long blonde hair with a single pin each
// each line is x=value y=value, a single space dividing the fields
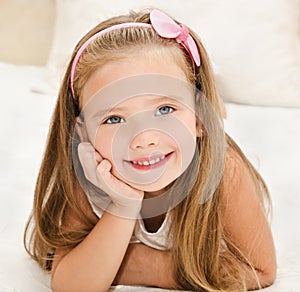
x=196 y=228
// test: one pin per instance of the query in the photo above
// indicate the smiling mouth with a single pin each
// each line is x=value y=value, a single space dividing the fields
x=152 y=162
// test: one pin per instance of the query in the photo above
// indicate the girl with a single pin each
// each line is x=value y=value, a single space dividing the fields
x=214 y=236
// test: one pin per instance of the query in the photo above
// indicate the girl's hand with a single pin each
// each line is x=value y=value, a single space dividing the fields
x=126 y=201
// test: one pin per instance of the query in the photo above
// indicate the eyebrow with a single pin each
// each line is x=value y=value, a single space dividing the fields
x=162 y=98
x=114 y=109
x=103 y=112
x=151 y=101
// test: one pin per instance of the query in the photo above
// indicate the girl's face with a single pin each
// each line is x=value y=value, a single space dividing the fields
x=149 y=138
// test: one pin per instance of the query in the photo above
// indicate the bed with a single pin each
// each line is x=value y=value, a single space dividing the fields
x=269 y=135
x=268 y=132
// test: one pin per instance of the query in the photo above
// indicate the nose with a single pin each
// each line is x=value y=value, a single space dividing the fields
x=144 y=140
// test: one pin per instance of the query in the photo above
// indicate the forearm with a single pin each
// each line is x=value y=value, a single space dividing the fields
x=145 y=266
x=93 y=264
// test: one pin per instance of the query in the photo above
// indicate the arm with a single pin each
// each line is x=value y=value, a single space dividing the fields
x=244 y=221
x=93 y=264
x=146 y=266
x=246 y=224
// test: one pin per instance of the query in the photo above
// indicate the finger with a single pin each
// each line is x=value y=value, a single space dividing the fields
x=103 y=169
x=108 y=182
x=112 y=184
x=98 y=157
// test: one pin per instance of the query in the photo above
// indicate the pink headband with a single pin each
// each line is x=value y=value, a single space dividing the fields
x=164 y=26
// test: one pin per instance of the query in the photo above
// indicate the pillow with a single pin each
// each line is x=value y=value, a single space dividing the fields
x=255 y=45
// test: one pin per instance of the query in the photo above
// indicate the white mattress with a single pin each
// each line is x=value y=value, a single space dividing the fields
x=270 y=137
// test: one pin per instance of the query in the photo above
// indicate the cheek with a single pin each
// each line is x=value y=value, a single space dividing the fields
x=103 y=143
x=188 y=119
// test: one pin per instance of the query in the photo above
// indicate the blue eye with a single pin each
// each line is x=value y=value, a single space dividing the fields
x=164 y=110
x=114 y=120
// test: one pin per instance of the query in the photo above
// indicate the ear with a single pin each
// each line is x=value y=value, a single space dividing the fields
x=81 y=129
x=199 y=129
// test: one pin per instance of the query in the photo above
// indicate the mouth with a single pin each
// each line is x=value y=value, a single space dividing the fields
x=151 y=162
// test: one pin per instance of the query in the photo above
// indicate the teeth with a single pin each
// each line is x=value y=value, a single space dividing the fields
x=151 y=162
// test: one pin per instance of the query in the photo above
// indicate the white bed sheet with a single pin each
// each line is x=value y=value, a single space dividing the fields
x=270 y=137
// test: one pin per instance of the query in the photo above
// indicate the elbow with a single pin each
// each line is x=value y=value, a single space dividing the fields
x=54 y=287
x=70 y=286
x=57 y=287
x=268 y=277
x=63 y=289
x=66 y=282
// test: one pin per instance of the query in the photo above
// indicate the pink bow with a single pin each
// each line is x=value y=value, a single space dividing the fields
x=166 y=27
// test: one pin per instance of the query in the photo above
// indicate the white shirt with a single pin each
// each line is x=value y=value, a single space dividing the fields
x=158 y=239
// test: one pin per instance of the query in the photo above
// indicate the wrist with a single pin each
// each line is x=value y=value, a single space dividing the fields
x=129 y=211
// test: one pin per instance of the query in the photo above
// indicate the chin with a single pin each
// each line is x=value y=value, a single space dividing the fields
x=157 y=186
